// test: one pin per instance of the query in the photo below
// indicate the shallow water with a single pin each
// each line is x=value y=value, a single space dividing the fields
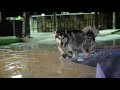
x=40 y=64
x=40 y=58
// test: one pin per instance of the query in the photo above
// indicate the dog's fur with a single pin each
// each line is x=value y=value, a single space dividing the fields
x=76 y=40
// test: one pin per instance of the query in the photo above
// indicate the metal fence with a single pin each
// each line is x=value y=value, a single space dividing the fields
x=74 y=24
x=48 y=25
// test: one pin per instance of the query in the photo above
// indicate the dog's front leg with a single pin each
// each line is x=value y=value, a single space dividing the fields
x=63 y=55
x=61 y=50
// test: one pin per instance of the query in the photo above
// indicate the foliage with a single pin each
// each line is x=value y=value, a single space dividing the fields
x=9 y=41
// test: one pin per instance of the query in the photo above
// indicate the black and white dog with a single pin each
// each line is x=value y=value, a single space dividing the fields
x=75 y=40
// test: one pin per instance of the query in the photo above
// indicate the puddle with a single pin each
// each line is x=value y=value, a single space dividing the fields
x=39 y=63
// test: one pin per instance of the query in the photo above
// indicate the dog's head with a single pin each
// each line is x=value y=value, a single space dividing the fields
x=61 y=38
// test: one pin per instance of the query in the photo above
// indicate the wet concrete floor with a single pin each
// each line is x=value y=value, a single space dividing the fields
x=39 y=57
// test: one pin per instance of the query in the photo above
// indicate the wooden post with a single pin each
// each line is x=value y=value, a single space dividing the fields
x=114 y=20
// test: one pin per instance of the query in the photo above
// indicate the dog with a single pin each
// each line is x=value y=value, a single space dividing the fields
x=75 y=40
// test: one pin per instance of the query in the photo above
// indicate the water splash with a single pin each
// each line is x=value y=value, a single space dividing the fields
x=96 y=55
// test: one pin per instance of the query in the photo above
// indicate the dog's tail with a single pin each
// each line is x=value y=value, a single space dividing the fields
x=90 y=29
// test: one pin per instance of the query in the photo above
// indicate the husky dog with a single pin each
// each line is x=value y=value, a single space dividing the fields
x=75 y=40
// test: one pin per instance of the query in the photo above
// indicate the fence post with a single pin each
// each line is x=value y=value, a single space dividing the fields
x=96 y=20
x=13 y=22
x=114 y=20
x=23 y=24
x=55 y=21
x=26 y=26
